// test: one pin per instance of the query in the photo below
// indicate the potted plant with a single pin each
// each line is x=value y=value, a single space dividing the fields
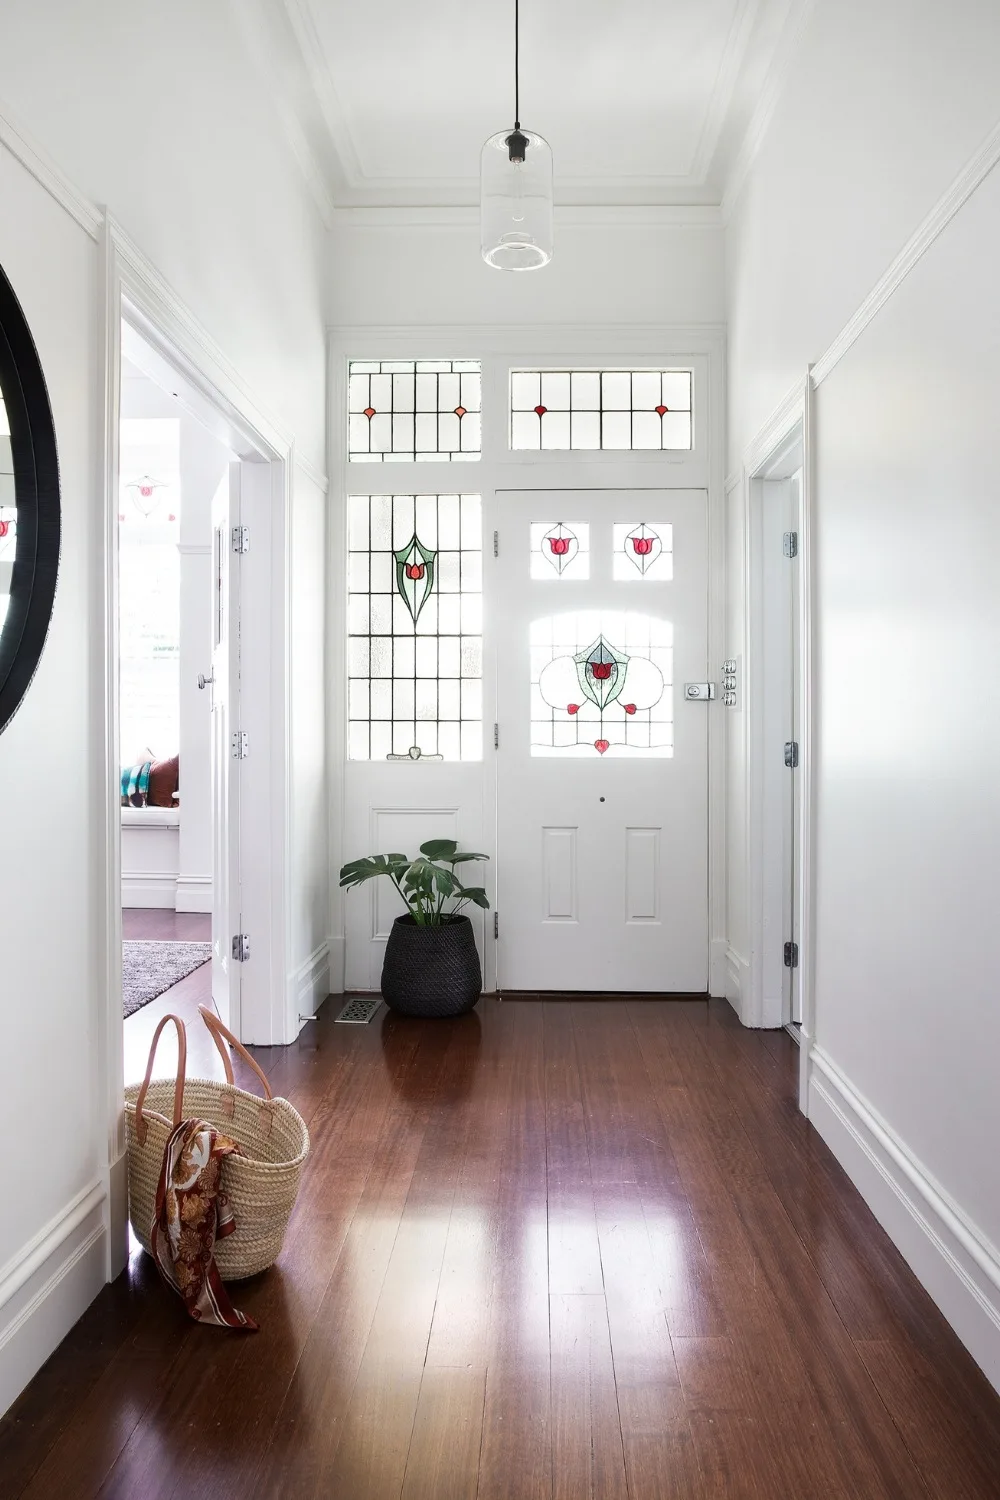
x=431 y=965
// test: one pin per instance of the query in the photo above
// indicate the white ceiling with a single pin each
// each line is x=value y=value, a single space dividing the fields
x=643 y=101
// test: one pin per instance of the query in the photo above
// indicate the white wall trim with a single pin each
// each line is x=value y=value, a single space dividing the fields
x=521 y=341
x=315 y=476
x=737 y=979
x=43 y=1245
x=950 y=1255
x=46 y=1285
x=45 y=172
x=311 y=981
x=146 y=889
x=567 y=216
x=193 y=893
x=976 y=170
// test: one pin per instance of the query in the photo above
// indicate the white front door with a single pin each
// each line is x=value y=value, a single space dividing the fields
x=599 y=615
x=225 y=689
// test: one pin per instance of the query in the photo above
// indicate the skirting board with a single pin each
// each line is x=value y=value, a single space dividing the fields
x=737 y=979
x=167 y=892
x=312 y=981
x=717 y=976
x=194 y=893
x=950 y=1257
x=47 y=1287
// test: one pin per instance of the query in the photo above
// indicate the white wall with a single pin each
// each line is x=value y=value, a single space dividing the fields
x=863 y=143
x=635 y=266
x=157 y=113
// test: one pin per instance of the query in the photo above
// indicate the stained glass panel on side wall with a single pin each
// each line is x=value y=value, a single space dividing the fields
x=414 y=605
x=414 y=411
x=630 y=410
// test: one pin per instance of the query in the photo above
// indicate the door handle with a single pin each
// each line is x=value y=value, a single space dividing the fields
x=699 y=692
x=203 y=681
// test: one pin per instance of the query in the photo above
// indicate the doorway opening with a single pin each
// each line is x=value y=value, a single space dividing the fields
x=777 y=741
x=170 y=609
x=196 y=702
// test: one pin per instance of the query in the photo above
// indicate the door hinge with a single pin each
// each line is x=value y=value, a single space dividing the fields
x=791 y=754
x=241 y=538
x=496 y=736
x=791 y=955
x=241 y=947
x=496 y=544
x=241 y=744
x=790 y=543
x=496 y=924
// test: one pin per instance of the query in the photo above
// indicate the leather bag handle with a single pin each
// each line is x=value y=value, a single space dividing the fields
x=221 y=1034
x=141 y=1125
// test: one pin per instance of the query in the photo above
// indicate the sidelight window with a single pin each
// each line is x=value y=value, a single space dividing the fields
x=414 y=649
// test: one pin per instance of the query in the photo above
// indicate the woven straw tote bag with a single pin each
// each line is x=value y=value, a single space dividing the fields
x=261 y=1183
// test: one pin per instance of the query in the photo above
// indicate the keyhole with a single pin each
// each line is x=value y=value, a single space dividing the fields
x=602 y=799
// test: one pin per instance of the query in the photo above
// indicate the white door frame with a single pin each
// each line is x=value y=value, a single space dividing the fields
x=784 y=445
x=623 y=346
x=136 y=296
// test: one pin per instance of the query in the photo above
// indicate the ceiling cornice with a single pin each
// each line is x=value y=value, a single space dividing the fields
x=656 y=215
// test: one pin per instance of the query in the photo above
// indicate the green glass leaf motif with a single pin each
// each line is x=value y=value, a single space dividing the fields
x=601 y=672
x=415 y=575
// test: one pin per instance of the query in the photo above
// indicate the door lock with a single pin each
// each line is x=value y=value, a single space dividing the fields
x=699 y=692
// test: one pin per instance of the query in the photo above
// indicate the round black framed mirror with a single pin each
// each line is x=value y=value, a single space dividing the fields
x=29 y=506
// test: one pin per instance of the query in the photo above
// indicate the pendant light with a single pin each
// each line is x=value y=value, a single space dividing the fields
x=516 y=190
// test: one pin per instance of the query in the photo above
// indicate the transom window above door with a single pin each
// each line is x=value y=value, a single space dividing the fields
x=622 y=410
x=414 y=411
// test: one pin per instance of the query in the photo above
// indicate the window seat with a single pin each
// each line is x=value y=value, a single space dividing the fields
x=151 y=817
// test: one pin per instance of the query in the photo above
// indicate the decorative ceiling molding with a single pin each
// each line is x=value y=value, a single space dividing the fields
x=656 y=215
x=733 y=57
x=778 y=70
x=349 y=186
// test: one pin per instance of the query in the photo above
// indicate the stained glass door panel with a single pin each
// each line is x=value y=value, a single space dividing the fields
x=602 y=859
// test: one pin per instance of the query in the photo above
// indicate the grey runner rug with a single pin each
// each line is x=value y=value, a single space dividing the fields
x=149 y=968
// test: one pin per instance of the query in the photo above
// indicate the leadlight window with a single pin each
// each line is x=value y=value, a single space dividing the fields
x=600 y=409
x=602 y=685
x=560 y=549
x=422 y=411
x=414 y=648
x=643 y=550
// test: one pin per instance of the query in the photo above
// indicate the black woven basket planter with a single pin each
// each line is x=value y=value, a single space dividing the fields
x=431 y=971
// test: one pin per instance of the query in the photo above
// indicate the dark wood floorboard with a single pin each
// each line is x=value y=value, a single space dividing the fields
x=553 y=1250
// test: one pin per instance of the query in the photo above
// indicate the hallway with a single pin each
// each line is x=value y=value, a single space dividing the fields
x=553 y=1249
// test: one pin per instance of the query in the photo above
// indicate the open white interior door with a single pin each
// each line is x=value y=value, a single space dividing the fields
x=224 y=682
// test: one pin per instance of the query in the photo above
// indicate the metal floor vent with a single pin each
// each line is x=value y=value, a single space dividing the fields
x=358 y=1012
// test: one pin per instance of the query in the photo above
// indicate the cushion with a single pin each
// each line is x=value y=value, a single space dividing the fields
x=164 y=780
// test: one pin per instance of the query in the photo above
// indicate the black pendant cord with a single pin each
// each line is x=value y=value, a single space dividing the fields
x=517 y=65
x=517 y=141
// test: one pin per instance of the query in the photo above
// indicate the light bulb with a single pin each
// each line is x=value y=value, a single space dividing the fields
x=517 y=206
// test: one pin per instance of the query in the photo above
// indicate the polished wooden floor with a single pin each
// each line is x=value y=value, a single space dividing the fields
x=567 y=1250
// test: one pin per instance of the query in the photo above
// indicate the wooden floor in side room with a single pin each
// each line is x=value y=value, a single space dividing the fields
x=552 y=1250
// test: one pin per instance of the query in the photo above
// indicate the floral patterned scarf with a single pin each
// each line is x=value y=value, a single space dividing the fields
x=191 y=1214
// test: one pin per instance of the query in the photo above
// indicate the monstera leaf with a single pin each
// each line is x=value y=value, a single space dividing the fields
x=427 y=884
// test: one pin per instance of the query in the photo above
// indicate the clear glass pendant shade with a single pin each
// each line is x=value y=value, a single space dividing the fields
x=516 y=203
